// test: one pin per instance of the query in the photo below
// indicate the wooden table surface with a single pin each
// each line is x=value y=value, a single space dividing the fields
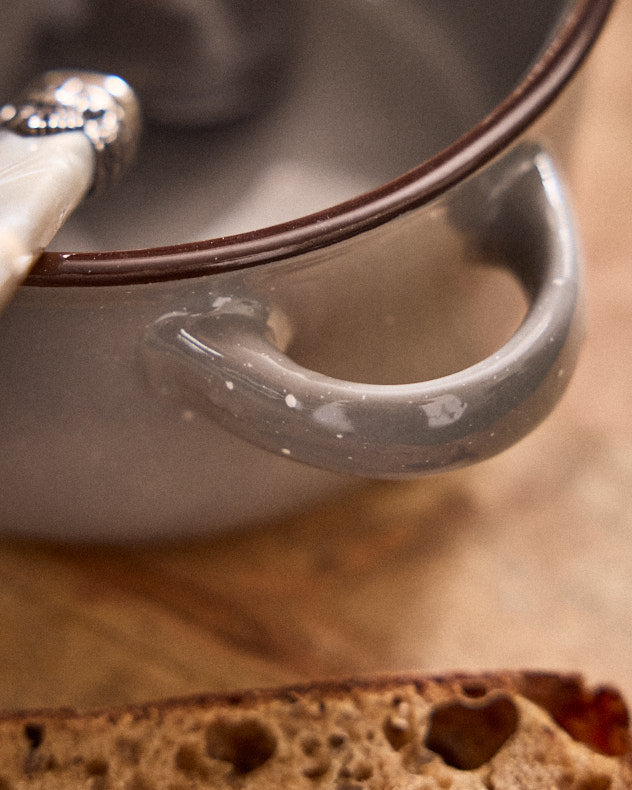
x=523 y=561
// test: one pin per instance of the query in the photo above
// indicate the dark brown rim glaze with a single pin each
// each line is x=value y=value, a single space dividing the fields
x=558 y=63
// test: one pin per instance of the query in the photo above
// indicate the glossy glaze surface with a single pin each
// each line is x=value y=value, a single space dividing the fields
x=229 y=358
x=94 y=450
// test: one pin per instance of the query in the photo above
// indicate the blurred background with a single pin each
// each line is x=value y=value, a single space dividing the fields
x=522 y=561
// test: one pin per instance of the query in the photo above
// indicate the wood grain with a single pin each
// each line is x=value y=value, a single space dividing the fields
x=523 y=561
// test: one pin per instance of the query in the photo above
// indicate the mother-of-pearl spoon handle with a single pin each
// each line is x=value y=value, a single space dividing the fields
x=41 y=182
x=68 y=134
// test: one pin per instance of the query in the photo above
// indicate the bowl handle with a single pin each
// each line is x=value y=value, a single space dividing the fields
x=227 y=362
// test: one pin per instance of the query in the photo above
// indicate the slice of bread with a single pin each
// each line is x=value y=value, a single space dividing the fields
x=505 y=731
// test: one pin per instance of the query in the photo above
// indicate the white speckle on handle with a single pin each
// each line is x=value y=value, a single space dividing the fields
x=220 y=301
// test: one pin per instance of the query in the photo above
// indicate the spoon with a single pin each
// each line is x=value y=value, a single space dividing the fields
x=68 y=134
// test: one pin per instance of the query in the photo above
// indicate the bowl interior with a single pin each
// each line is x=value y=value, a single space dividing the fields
x=369 y=91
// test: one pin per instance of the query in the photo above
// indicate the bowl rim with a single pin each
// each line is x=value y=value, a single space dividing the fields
x=571 y=42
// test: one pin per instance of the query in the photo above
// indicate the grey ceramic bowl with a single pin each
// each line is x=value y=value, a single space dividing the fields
x=376 y=274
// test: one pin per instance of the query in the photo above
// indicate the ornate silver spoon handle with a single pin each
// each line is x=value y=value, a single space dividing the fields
x=68 y=134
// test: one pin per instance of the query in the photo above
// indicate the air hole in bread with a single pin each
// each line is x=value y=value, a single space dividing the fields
x=467 y=736
x=34 y=733
x=336 y=740
x=310 y=745
x=316 y=769
x=96 y=767
x=396 y=735
x=360 y=770
x=397 y=727
x=474 y=690
x=246 y=743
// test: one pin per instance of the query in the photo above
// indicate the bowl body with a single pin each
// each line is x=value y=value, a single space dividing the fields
x=377 y=208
